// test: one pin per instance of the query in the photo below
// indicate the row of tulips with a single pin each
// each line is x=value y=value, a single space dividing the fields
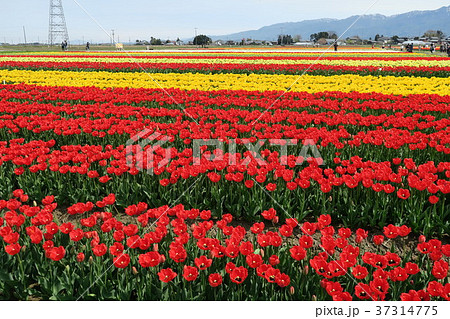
x=299 y=69
x=70 y=136
x=400 y=191
x=176 y=253
x=263 y=56
x=405 y=85
x=364 y=103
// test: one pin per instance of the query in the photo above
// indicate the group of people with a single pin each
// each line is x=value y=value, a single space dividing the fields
x=409 y=47
x=445 y=47
x=64 y=45
x=432 y=48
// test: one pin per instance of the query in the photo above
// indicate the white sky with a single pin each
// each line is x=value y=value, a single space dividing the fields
x=140 y=19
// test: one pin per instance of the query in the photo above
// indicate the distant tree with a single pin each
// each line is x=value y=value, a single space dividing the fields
x=297 y=38
x=285 y=39
x=395 y=39
x=432 y=33
x=202 y=40
x=154 y=41
x=332 y=35
x=288 y=39
x=377 y=37
x=324 y=34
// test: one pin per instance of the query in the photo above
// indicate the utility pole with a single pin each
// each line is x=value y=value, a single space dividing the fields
x=24 y=35
x=195 y=29
x=112 y=38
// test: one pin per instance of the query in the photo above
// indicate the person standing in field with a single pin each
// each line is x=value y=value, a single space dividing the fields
x=87 y=46
x=432 y=48
x=335 y=46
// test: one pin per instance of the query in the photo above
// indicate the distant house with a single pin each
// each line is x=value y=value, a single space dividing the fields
x=354 y=40
x=434 y=39
x=402 y=39
x=304 y=43
x=384 y=39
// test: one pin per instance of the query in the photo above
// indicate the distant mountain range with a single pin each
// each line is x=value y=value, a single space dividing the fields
x=414 y=23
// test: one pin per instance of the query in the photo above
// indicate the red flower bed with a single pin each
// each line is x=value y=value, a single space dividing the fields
x=185 y=242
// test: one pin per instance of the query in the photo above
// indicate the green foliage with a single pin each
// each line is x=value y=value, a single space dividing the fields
x=202 y=40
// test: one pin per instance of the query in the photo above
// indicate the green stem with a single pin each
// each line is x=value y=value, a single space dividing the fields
x=22 y=273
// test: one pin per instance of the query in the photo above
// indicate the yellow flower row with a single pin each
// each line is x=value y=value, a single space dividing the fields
x=252 y=82
x=324 y=61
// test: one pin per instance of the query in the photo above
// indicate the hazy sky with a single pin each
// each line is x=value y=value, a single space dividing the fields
x=140 y=19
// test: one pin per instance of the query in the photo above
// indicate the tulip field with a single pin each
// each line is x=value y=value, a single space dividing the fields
x=331 y=181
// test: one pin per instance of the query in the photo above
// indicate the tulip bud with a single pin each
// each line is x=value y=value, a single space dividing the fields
x=422 y=239
x=134 y=270
x=305 y=270
x=314 y=298
x=291 y=290
x=162 y=258
x=24 y=248
x=155 y=247
x=275 y=220
x=91 y=260
x=261 y=252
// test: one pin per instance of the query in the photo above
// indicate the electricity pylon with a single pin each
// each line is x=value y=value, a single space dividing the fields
x=57 y=29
